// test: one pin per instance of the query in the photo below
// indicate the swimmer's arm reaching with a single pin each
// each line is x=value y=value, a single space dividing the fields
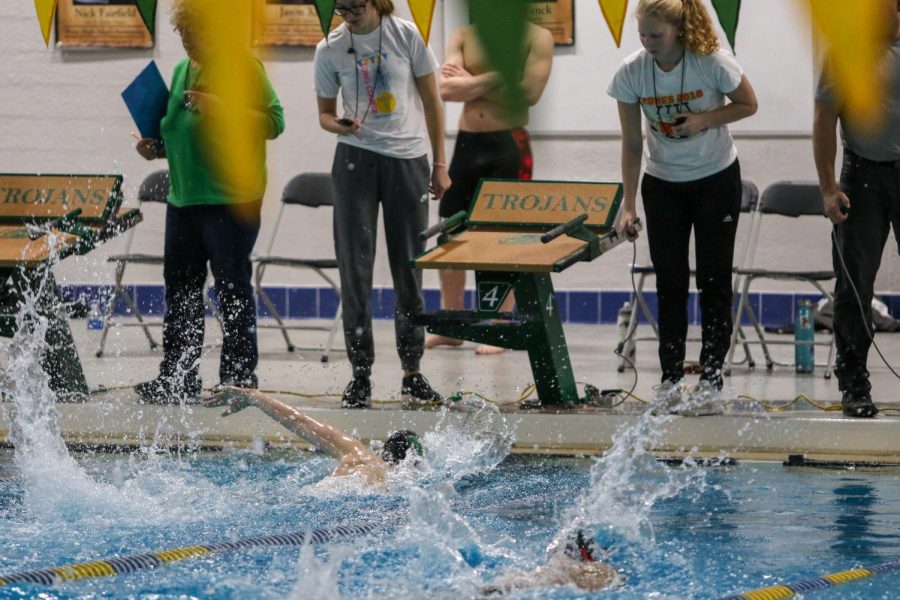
x=332 y=441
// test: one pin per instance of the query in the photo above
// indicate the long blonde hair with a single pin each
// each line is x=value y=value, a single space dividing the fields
x=690 y=17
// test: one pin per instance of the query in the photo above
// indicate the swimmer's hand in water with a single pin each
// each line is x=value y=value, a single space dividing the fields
x=234 y=398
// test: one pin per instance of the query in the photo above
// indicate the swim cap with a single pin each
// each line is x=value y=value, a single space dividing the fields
x=398 y=443
x=581 y=547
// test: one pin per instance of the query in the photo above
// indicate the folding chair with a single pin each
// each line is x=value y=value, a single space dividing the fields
x=154 y=189
x=310 y=190
x=639 y=306
x=781 y=199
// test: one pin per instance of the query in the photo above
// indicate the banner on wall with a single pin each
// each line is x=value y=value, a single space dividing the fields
x=288 y=23
x=501 y=29
x=856 y=34
x=728 y=12
x=325 y=9
x=46 y=12
x=101 y=23
x=557 y=16
x=147 y=8
x=422 y=14
x=614 y=13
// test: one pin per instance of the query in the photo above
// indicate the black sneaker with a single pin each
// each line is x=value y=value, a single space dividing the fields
x=248 y=383
x=168 y=390
x=416 y=391
x=858 y=404
x=358 y=393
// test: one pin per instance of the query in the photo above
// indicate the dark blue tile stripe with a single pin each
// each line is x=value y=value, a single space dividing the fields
x=576 y=306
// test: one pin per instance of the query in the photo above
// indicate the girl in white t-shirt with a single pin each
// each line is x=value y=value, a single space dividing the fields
x=680 y=80
x=390 y=117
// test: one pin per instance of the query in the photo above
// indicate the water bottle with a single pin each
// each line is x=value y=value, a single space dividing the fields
x=94 y=318
x=804 y=331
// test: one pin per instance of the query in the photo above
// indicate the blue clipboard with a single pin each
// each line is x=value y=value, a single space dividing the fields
x=147 y=98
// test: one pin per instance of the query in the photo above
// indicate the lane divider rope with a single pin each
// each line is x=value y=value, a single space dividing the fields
x=54 y=576
x=789 y=590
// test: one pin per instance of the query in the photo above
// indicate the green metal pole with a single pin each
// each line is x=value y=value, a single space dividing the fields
x=60 y=361
x=546 y=342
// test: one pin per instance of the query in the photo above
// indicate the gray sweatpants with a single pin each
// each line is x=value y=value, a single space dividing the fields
x=363 y=180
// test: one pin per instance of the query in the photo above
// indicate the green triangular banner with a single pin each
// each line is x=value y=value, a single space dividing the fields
x=325 y=10
x=501 y=28
x=728 y=12
x=147 y=8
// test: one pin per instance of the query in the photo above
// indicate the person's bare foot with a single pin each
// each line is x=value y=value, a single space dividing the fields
x=486 y=349
x=432 y=341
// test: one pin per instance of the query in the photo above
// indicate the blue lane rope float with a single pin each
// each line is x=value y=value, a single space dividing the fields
x=789 y=590
x=53 y=576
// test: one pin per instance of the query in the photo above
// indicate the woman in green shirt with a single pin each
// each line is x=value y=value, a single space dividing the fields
x=213 y=211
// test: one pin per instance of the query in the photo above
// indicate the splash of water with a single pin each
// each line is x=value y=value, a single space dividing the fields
x=432 y=535
x=460 y=445
x=627 y=482
x=57 y=489
x=40 y=453
x=318 y=578
x=465 y=444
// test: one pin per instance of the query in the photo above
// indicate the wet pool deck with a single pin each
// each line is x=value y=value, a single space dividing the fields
x=114 y=418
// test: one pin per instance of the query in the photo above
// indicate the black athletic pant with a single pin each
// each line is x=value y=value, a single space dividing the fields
x=363 y=180
x=194 y=236
x=874 y=193
x=710 y=206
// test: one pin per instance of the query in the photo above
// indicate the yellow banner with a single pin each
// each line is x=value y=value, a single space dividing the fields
x=858 y=35
x=46 y=11
x=614 y=13
x=422 y=13
x=234 y=134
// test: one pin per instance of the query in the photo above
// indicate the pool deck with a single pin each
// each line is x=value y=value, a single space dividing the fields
x=746 y=431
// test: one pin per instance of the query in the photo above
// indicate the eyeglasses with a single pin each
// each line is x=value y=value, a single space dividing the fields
x=355 y=10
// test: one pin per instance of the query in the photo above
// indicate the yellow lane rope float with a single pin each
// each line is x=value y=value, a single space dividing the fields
x=128 y=564
x=789 y=590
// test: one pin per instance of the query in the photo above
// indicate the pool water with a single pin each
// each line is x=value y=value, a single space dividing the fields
x=451 y=522
x=711 y=531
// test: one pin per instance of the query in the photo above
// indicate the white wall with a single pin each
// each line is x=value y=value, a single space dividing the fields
x=61 y=112
x=593 y=57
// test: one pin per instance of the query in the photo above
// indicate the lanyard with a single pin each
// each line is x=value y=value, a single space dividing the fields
x=680 y=94
x=370 y=93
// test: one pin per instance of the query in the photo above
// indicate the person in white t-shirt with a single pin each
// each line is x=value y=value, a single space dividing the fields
x=389 y=99
x=681 y=80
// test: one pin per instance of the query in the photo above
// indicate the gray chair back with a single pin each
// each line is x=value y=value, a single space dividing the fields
x=310 y=189
x=749 y=196
x=792 y=199
x=155 y=187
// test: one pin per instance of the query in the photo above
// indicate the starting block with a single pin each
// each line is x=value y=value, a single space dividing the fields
x=514 y=236
x=44 y=219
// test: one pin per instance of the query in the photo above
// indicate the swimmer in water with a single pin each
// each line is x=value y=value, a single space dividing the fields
x=576 y=563
x=354 y=457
